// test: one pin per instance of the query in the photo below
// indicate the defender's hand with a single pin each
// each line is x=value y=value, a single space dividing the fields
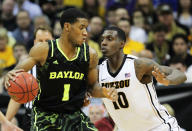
x=11 y=76
x=160 y=76
x=110 y=93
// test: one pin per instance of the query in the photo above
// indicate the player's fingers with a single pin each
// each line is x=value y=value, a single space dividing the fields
x=114 y=95
x=157 y=70
x=154 y=74
x=11 y=77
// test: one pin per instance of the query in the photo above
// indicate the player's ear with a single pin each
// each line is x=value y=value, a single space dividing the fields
x=122 y=44
x=67 y=26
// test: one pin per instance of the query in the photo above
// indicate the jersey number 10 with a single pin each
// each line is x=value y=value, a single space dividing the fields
x=122 y=101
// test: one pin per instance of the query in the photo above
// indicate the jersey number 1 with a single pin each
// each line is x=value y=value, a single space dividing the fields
x=66 y=92
x=122 y=101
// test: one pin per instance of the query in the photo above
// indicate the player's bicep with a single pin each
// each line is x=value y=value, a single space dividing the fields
x=39 y=53
x=144 y=66
x=93 y=74
x=36 y=56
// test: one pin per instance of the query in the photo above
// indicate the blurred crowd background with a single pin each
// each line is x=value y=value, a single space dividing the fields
x=157 y=29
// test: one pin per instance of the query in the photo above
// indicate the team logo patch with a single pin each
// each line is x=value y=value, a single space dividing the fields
x=127 y=75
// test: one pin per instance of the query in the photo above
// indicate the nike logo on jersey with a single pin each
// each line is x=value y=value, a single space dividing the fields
x=55 y=62
x=103 y=79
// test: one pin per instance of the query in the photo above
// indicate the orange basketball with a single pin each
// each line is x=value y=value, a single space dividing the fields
x=24 y=88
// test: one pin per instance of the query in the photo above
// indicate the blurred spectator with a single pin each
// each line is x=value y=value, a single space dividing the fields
x=19 y=50
x=95 y=46
x=94 y=7
x=75 y=3
x=96 y=112
x=33 y=9
x=105 y=124
x=8 y=19
x=165 y=16
x=110 y=16
x=172 y=3
x=184 y=14
x=43 y=34
x=121 y=13
x=41 y=20
x=131 y=46
x=159 y=46
x=57 y=30
x=50 y=10
x=146 y=54
x=6 y=53
x=95 y=28
x=138 y=32
x=179 y=64
x=24 y=32
x=147 y=7
x=180 y=48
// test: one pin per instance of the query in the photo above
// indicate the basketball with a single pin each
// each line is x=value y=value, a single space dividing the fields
x=24 y=89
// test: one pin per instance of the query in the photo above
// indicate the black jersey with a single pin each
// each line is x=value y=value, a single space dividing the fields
x=63 y=82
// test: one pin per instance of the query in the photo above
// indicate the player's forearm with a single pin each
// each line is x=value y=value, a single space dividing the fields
x=176 y=77
x=2 y=118
x=12 y=109
x=96 y=91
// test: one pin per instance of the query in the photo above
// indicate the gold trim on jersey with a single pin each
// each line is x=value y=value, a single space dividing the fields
x=78 y=50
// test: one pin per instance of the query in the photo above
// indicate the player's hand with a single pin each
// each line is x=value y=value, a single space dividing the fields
x=8 y=126
x=110 y=93
x=160 y=76
x=86 y=100
x=11 y=76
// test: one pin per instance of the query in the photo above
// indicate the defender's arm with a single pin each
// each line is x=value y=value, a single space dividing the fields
x=146 y=68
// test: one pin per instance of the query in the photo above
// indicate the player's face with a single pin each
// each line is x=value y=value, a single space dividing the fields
x=110 y=43
x=42 y=36
x=78 y=32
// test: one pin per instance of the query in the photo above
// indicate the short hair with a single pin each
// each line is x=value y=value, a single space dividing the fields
x=159 y=28
x=71 y=15
x=44 y=28
x=176 y=60
x=20 y=44
x=43 y=16
x=182 y=36
x=120 y=33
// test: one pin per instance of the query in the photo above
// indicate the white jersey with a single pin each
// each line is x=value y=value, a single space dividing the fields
x=137 y=107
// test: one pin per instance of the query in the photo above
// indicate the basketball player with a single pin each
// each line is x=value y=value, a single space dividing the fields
x=137 y=107
x=42 y=34
x=7 y=125
x=66 y=69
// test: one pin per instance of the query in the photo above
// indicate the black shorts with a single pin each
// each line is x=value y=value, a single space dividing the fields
x=50 y=121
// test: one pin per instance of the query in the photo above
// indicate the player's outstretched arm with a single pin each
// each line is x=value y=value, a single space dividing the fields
x=94 y=88
x=6 y=125
x=146 y=68
x=12 y=109
x=37 y=55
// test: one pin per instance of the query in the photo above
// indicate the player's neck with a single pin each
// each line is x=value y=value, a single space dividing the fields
x=115 y=61
x=67 y=47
